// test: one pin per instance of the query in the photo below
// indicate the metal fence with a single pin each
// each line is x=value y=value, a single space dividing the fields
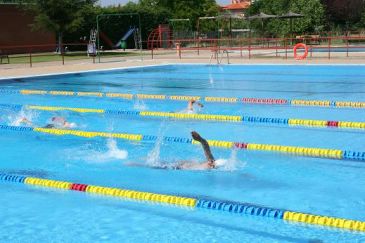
x=318 y=47
x=197 y=48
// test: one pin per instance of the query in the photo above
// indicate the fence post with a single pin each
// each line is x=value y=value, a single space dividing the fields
x=152 y=52
x=276 y=47
x=30 y=58
x=329 y=48
x=286 y=48
x=179 y=51
x=347 y=42
x=63 y=58
x=198 y=44
x=240 y=41
x=249 y=48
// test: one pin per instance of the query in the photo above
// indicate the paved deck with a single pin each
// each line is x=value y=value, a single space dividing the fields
x=19 y=70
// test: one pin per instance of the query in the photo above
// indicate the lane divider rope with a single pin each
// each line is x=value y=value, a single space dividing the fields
x=207 y=117
x=289 y=150
x=190 y=202
x=245 y=100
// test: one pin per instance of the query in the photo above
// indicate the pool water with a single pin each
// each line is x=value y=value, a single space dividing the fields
x=312 y=185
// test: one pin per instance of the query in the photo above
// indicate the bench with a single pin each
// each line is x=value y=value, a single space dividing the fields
x=310 y=39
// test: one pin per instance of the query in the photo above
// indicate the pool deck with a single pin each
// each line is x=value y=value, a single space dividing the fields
x=20 y=70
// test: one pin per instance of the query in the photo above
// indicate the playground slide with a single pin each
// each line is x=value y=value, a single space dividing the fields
x=126 y=36
x=106 y=39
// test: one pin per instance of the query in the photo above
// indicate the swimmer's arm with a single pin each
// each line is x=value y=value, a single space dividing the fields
x=207 y=151
x=190 y=104
x=205 y=145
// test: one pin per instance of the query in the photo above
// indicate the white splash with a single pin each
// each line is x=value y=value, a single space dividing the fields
x=139 y=105
x=153 y=157
x=17 y=119
x=113 y=153
x=230 y=164
x=211 y=80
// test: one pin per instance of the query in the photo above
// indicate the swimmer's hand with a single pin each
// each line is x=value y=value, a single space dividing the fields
x=201 y=105
x=196 y=136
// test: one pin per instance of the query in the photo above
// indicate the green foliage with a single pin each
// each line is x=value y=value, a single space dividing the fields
x=184 y=9
x=58 y=15
x=312 y=21
x=344 y=13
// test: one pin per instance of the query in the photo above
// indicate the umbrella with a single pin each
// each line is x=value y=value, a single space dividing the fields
x=291 y=15
x=262 y=16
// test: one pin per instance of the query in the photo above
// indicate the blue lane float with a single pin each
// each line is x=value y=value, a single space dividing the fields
x=191 y=202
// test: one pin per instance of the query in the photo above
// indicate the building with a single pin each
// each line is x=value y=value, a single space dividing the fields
x=238 y=7
x=16 y=31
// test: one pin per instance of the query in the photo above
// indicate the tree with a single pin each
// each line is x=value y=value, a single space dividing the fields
x=190 y=9
x=312 y=10
x=344 y=12
x=60 y=16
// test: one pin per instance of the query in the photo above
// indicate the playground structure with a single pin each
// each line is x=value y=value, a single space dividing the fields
x=161 y=37
x=122 y=43
x=208 y=28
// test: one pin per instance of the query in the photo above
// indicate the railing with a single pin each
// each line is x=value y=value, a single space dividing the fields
x=203 y=48
x=29 y=54
x=279 y=47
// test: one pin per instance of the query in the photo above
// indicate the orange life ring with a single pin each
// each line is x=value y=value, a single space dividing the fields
x=301 y=57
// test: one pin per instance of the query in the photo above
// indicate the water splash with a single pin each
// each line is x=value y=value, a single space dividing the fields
x=153 y=157
x=231 y=164
x=211 y=80
x=96 y=156
x=16 y=119
x=139 y=105
x=187 y=111
x=114 y=152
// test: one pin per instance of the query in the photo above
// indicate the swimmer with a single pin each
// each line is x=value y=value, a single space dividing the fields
x=209 y=164
x=191 y=105
x=23 y=121
x=60 y=122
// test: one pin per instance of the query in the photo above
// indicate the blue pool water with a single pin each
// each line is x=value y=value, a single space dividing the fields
x=312 y=185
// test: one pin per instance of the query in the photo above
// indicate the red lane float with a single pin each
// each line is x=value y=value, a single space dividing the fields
x=332 y=123
x=300 y=57
x=79 y=187
x=264 y=101
x=241 y=145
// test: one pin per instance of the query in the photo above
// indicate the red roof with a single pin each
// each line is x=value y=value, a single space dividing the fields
x=237 y=6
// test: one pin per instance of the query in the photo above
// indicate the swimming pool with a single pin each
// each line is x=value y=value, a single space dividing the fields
x=318 y=186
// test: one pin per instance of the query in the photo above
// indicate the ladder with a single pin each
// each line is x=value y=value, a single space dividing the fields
x=93 y=33
x=215 y=55
x=91 y=47
x=137 y=39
